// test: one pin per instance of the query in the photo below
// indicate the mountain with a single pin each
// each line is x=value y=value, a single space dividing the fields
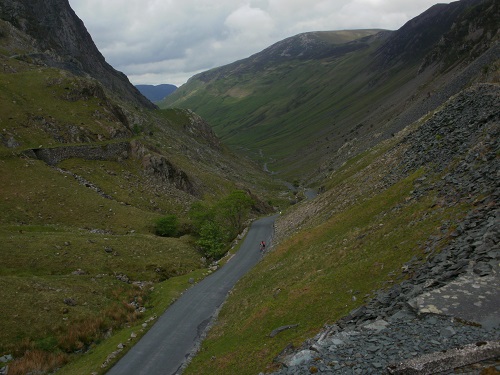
x=393 y=268
x=111 y=207
x=306 y=104
x=156 y=92
x=61 y=40
x=401 y=138
x=97 y=186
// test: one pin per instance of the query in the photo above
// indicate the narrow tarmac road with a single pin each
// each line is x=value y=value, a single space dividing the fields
x=166 y=346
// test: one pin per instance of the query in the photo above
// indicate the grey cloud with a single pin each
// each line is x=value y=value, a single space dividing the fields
x=168 y=41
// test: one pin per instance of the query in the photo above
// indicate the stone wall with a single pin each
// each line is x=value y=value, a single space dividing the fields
x=154 y=165
x=53 y=156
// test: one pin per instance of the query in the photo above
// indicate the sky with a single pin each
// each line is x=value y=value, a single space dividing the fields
x=169 y=41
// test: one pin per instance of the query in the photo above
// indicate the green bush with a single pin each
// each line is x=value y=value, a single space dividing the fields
x=167 y=226
x=212 y=240
x=216 y=225
x=233 y=210
x=199 y=214
x=136 y=129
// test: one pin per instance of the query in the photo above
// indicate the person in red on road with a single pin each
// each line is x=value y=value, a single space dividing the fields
x=262 y=246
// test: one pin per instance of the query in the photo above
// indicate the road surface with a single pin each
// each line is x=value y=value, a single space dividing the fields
x=165 y=347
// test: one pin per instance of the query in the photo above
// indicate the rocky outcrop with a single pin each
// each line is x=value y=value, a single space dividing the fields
x=64 y=42
x=418 y=36
x=161 y=169
x=155 y=166
x=391 y=328
x=470 y=36
x=201 y=130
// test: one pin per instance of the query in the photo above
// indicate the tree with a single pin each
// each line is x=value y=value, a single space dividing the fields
x=167 y=226
x=233 y=210
x=199 y=214
x=217 y=225
x=212 y=240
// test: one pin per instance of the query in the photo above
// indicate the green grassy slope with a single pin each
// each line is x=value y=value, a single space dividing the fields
x=79 y=256
x=311 y=279
x=308 y=103
x=284 y=109
x=337 y=250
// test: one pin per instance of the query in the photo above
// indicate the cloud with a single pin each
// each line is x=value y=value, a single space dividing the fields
x=249 y=23
x=168 y=41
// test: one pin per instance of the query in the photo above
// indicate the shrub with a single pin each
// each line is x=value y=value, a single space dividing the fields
x=233 y=210
x=167 y=226
x=136 y=129
x=212 y=240
x=199 y=214
x=215 y=226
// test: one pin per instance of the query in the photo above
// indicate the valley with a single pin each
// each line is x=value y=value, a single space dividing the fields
x=113 y=207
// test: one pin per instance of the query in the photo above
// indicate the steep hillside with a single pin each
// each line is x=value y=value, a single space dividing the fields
x=88 y=173
x=91 y=173
x=414 y=215
x=306 y=104
x=61 y=40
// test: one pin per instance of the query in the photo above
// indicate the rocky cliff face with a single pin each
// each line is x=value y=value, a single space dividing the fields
x=63 y=42
x=418 y=36
x=470 y=35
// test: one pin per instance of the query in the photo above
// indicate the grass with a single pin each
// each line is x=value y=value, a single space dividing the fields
x=142 y=257
x=40 y=103
x=311 y=278
x=293 y=107
x=61 y=240
x=76 y=330
x=78 y=268
x=125 y=182
x=159 y=299
x=35 y=194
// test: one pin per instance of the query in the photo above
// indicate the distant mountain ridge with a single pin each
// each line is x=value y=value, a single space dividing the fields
x=308 y=99
x=156 y=92
x=304 y=46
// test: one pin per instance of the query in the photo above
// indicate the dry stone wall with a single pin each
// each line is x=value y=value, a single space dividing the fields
x=111 y=151
x=155 y=166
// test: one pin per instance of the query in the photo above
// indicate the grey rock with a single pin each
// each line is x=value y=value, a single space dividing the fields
x=447 y=360
x=378 y=325
x=483 y=269
x=70 y=302
x=281 y=329
x=447 y=332
x=300 y=358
